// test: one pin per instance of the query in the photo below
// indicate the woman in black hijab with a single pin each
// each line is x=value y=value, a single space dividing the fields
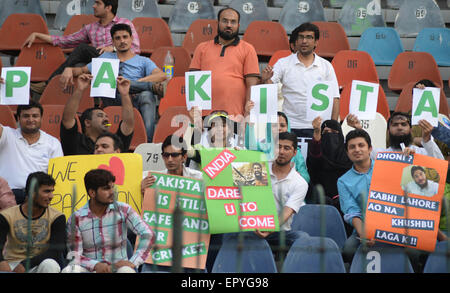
x=327 y=158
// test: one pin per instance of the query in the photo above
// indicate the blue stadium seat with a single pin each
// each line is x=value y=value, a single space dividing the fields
x=250 y=10
x=133 y=9
x=296 y=12
x=395 y=4
x=439 y=260
x=382 y=43
x=414 y=15
x=253 y=255
x=314 y=255
x=358 y=15
x=69 y=8
x=435 y=41
x=29 y=6
x=184 y=12
x=309 y=219
x=381 y=258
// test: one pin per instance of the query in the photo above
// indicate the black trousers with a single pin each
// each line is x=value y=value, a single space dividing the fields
x=83 y=54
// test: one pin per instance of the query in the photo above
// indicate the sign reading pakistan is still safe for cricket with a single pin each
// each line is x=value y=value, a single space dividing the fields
x=158 y=212
x=238 y=191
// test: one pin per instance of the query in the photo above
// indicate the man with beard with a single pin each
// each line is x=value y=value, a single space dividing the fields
x=94 y=121
x=260 y=180
x=97 y=232
x=233 y=63
x=420 y=184
x=327 y=159
x=297 y=72
x=26 y=149
x=141 y=71
x=400 y=137
x=289 y=189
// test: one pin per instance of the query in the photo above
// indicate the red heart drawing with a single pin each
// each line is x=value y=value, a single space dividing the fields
x=117 y=168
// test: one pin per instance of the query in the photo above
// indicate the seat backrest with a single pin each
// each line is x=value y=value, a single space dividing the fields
x=439 y=260
x=51 y=119
x=200 y=30
x=132 y=9
x=404 y=101
x=332 y=39
x=278 y=3
x=310 y=217
x=344 y=102
x=43 y=58
x=394 y=3
x=254 y=257
x=377 y=130
x=184 y=12
x=17 y=27
x=381 y=258
x=151 y=156
x=337 y=3
x=350 y=65
x=8 y=8
x=69 y=8
x=153 y=33
x=414 y=15
x=181 y=57
x=277 y=55
x=174 y=119
x=314 y=254
x=358 y=15
x=115 y=116
x=296 y=12
x=413 y=66
x=175 y=94
x=54 y=95
x=250 y=10
x=7 y=117
x=435 y=41
x=76 y=22
x=259 y=32
x=382 y=43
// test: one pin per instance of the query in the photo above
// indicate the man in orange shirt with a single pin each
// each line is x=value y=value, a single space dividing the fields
x=232 y=62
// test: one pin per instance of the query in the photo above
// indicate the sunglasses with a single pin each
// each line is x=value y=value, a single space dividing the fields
x=173 y=155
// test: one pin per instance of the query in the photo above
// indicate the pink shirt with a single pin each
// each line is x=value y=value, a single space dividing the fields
x=97 y=35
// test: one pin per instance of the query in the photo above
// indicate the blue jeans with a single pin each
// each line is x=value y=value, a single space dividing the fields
x=144 y=100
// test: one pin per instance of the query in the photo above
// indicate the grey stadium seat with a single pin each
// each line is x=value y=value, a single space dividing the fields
x=250 y=10
x=358 y=15
x=69 y=8
x=184 y=12
x=29 y=6
x=296 y=12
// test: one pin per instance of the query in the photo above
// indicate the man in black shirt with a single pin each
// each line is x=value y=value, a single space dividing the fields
x=94 y=121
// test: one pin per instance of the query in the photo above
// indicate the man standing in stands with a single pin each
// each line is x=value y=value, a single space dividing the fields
x=48 y=228
x=26 y=149
x=297 y=72
x=141 y=72
x=98 y=240
x=90 y=41
x=94 y=121
x=232 y=62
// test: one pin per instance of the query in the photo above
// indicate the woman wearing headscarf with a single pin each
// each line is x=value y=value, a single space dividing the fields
x=327 y=159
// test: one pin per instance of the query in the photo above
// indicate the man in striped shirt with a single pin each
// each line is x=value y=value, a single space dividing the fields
x=92 y=40
x=97 y=232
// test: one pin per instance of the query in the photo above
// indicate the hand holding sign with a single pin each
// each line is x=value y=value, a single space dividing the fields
x=15 y=86
x=364 y=99
x=198 y=89
x=426 y=105
x=105 y=72
x=320 y=100
x=83 y=81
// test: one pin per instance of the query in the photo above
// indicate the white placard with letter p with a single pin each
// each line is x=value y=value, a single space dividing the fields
x=105 y=72
x=364 y=99
x=426 y=105
x=16 y=87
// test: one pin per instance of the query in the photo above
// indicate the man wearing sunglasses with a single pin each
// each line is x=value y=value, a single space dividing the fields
x=174 y=153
